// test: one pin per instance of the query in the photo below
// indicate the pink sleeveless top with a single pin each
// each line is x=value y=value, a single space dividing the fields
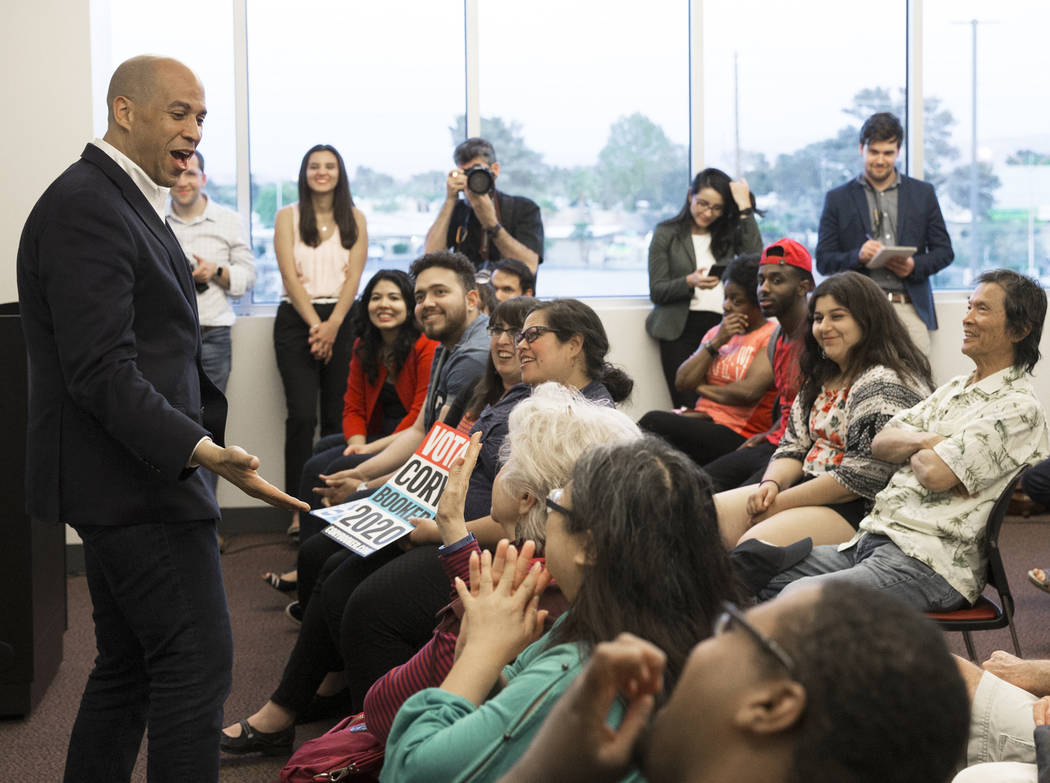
x=321 y=269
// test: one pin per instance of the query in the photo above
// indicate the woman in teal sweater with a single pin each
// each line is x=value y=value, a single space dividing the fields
x=633 y=544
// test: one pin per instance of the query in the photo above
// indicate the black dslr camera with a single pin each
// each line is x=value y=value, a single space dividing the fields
x=480 y=180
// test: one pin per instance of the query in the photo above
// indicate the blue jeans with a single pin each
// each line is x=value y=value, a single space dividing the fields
x=216 y=354
x=1036 y=483
x=165 y=653
x=876 y=562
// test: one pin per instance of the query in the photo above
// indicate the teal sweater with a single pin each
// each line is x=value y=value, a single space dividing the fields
x=440 y=736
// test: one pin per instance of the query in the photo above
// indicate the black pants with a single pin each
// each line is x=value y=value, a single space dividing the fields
x=327 y=458
x=305 y=381
x=390 y=616
x=740 y=467
x=674 y=352
x=366 y=616
x=165 y=653
x=314 y=551
x=700 y=438
x=316 y=651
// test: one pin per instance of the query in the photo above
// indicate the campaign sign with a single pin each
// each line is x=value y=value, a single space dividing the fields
x=364 y=526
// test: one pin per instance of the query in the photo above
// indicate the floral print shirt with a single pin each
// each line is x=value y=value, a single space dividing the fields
x=827 y=423
x=838 y=440
x=991 y=428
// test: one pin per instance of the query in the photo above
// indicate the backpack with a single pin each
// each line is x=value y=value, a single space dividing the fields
x=346 y=750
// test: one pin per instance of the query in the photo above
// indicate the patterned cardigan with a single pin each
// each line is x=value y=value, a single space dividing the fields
x=874 y=397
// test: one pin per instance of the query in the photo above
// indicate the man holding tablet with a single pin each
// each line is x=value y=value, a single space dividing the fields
x=889 y=226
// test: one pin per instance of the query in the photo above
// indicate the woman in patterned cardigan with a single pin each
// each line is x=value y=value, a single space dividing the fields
x=859 y=368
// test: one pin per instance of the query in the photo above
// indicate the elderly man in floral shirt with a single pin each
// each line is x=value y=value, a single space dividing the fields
x=957 y=450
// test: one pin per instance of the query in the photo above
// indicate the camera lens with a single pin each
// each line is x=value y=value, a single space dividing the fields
x=480 y=180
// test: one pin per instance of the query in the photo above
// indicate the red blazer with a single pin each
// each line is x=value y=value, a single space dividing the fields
x=361 y=396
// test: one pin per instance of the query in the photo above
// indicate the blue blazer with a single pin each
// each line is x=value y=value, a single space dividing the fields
x=846 y=224
x=117 y=394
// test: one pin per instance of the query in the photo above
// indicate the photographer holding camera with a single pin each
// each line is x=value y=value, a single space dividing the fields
x=488 y=225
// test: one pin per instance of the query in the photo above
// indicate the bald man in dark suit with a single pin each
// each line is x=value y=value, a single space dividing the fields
x=121 y=414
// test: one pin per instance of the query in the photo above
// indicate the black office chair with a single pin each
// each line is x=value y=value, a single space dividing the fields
x=986 y=614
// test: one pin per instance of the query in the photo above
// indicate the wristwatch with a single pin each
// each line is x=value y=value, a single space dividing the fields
x=218 y=272
x=492 y=232
x=711 y=350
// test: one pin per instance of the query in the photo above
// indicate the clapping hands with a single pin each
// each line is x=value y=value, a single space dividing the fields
x=502 y=615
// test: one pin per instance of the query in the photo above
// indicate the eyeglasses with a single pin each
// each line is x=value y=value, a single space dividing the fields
x=553 y=503
x=532 y=334
x=703 y=206
x=731 y=615
x=496 y=331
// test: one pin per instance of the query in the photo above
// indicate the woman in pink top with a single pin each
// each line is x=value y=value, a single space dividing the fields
x=731 y=372
x=321 y=245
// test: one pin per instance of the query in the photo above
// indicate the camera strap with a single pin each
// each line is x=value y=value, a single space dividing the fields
x=484 y=249
x=463 y=231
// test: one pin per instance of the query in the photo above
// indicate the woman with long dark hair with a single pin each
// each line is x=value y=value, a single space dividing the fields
x=716 y=224
x=321 y=244
x=859 y=367
x=385 y=389
x=633 y=544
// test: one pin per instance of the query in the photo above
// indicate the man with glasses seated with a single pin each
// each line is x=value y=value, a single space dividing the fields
x=486 y=225
x=884 y=208
x=826 y=684
x=957 y=451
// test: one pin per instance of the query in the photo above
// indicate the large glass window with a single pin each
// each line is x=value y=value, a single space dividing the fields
x=381 y=82
x=786 y=89
x=203 y=40
x=587 y=105
x=590 y=114
x=993 y=187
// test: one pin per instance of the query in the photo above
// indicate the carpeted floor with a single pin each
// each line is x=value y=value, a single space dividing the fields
x=34 y=749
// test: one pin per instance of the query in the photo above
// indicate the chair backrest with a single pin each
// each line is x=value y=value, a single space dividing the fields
x=996 y=569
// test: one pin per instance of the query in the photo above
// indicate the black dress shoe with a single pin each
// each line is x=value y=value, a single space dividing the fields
x=294 y=612
x=338 y=705
x=276 y=743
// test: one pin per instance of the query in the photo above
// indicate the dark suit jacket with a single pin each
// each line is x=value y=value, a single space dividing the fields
x=671 y=259
x=117 y=395
x=846 y=224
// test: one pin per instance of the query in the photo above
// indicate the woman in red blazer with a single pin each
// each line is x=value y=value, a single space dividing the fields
x=385 y=388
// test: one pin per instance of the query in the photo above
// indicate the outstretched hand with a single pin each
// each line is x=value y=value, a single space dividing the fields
x=575 y=742
x=242 y=470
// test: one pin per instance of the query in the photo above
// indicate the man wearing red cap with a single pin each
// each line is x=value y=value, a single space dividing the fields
x=785 y=278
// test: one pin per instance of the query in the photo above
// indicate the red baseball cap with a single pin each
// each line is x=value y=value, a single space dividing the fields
x=787 y=251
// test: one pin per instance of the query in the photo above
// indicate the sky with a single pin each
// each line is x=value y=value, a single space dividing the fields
x=382 y=81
